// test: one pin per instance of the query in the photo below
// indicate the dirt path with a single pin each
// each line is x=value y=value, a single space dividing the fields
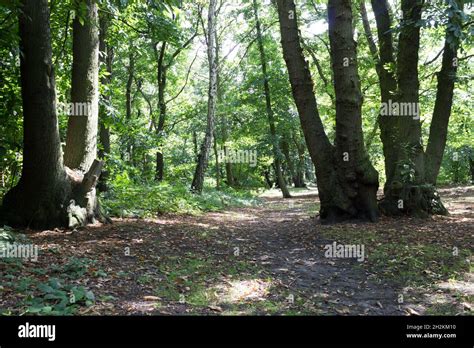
x=284 y=240
x=268 y=259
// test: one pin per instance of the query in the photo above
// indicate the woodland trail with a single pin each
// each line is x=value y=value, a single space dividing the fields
x=265 y=259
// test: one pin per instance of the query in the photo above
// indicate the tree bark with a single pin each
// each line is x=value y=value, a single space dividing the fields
x=301 y=164
x=203 y=157
x=161 y=76
x=336 y=203
x=333 y=200
x=270 y=115
x=406 y=190
x=37 y=199
x=444 y=99
x=106 y=58
x=128 y=98
x=358 y=177
x=47 y=191
x=81 y=140
x=385 y=68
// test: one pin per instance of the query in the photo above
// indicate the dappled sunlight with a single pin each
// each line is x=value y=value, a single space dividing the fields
x=465 y=287
x=295 y=192
x=242 y=290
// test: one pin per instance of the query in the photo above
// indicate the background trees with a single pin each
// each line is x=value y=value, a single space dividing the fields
x=146 y=66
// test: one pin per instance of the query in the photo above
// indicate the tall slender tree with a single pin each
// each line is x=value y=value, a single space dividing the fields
x=203 y=157
x=106 y=58
x=444 y=94
x=164 y=63
x=269 y=110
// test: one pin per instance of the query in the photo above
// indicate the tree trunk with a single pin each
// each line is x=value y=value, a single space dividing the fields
x=407 y=190
x=285 y=149
x=37 y=199
x=162 y=80
x=358 y=177
x=336 y=203
x=301 y=164
x=218 y=167
x=106 y=57
x=444 y=100
x=385 y=67
x=45 y=195
x=270 y=115
x=218 y=116
x=229 y=173
x=162 y=110
x=81 y=140
x=128 y=98
x=225 y=126
x=203 y=158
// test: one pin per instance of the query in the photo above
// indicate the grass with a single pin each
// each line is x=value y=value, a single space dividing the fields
x=404 y=261
x=191 y=276
x=234 y=287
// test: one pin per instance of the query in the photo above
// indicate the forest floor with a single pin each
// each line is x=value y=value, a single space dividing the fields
x=267 y=259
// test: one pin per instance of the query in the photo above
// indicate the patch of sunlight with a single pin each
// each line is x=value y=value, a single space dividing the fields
x=139 y=306
x=238 y=215
x=295 y=192
x=464 y=287
x=242 y=290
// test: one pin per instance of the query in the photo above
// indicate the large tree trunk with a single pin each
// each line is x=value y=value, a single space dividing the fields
x=271 y=117
x=444 y=99
x=45 y=195
x=81 y=140
x=333 y=200
x=38 y=198
x=358 y=177
x=336 y=203
x=406 y=190
x=408 y=88
x=203 y=157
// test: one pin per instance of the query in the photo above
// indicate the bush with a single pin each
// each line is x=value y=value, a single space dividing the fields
x=127 y=199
